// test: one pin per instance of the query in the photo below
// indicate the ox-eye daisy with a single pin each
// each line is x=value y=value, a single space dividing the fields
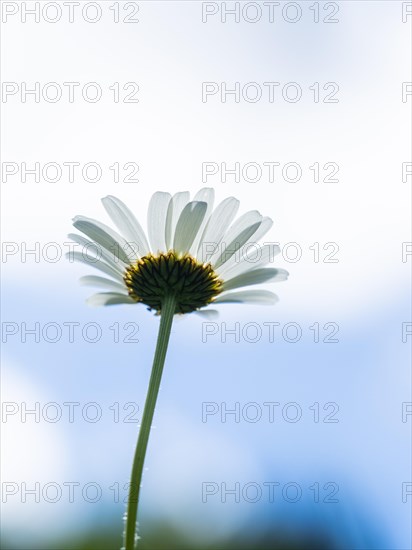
x=195 y=255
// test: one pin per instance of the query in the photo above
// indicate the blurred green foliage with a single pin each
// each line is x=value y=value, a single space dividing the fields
x=165 y=537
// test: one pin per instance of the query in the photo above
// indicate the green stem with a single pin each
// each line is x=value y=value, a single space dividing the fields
x=166 y=320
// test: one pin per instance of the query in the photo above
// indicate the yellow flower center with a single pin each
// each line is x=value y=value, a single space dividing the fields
x=193 y=284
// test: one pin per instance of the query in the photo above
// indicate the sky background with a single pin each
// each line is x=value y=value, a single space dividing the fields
x=340 y=408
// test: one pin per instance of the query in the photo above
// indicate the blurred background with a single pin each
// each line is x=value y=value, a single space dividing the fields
x=284 y=427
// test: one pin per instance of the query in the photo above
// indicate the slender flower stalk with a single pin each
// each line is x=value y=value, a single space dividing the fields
x=166 y=320
x=198 y=255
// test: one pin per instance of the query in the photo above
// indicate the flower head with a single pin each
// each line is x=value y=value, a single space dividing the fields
x=198 y=254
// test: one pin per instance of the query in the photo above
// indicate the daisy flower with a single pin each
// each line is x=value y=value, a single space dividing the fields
x=194 y=255
x=200 y=254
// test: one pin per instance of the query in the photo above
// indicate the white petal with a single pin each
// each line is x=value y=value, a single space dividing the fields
x=264 y=227
x=207 y=195
x=188 y=226
x=232 y=249
x=93 y=280
x=156 y=221
x=255 y=277
x=109 y=299
x=207 y=313
x=250 y=245
x=262 y=297
x=216 y=227
x=242 y=223
x=127 y=224
x=92 y=250
x=256 y=258
x=176 y=205
x=97 y=264
x=106 y=237
x=85 y=243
